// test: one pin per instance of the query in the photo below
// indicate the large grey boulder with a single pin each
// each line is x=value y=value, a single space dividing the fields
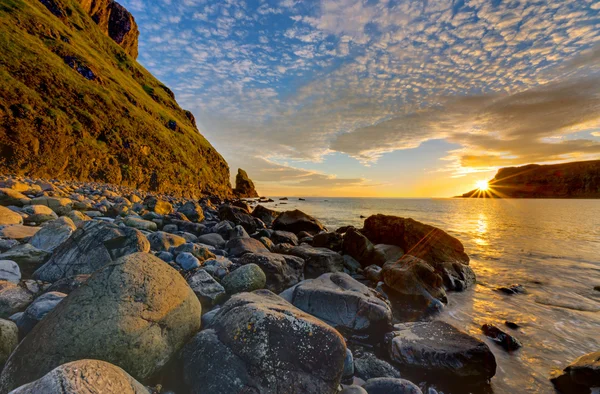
x=9 y=339
x=240 y=246
x=282 y=271
x=9 y=271
x=8 y=217
x=85 y=377
x=318 y=261
x=91 y=247
x=265 y=214
x=37 y=310
x=53 y=234
x=238 y=216
x=284 y=237
x=135 y=313
x=296 y=221
x=257 y=342
x=413 y=277
x=437 y=347
x=368 y=366
x=342 y=302
x=358 y=246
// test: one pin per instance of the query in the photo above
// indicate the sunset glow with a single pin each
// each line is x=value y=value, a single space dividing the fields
x=482 y=185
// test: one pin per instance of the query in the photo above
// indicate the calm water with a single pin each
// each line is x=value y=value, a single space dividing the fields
x=552 y=247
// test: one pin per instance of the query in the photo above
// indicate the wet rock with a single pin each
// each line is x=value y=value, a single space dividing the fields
x=91 y=247
x=511 y=325
x=135 y=312
x=37 y=310
x=193 y=211
x=248 y=277
x=318 y=261
x=53 y=234
x=187 y=261
x=281 y=271
x=18 y=232
x=8 y=217
x=240 y=246
x=423 y=241
x=244 y=188
x=413 y=277
x=456 y=276
x=85 y=376
x=390 y=252
x=238 y=216
x=27 y=256
x=374 y=273
x=296 y=221
x=439 y=348
x=508 y=342
x=268 y=345
x=368 y=367
x=208 y=290
x=342 y=302
x=9 y=339
x=358 y=246
x=582 y=374
x=512 y=289
x=280 y=237
x=158 y=205
x=327 y=240
x=9 y=271
x=13 y=299
x=391 y=386
x=164 y=241
x=265 y=214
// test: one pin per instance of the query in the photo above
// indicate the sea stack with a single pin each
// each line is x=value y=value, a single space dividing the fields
x=244 y=187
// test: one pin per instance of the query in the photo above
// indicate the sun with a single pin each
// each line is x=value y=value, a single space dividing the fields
x=482 y=185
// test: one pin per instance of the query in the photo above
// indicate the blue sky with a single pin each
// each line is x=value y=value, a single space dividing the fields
x=381 y=97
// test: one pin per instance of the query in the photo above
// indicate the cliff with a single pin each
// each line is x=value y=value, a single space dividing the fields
x=566 y=180
x=244 y=187
x=74 y=104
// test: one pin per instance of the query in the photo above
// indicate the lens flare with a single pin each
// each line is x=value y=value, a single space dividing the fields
x=482 y=185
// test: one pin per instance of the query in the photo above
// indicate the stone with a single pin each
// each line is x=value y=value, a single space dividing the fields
x=296 y=221
x=391 y=386
x=281 y=271
x=160 y=241
x=512 y=289
x=140 y=224
x=60 y=205
x=212 y=239
x=12 y=197
x=53 y=234
x=223 y=228
x=348 y=372
x=85 y=376
x=439 y=348
x=413 y=277
x=218 y=267
x=327 y=240
x=318 y=261
x=135 y=312
x=237 y=232
x=68 y=285
x=420 y=240
x=37 y=310
x=265 y=214
x=187 y=261
x=90 y=248
x=268 y=345
x=374 y=273
x=240 y=246
x=19 y=232
x=244 y=188
x=242 y=204
x=248 y=277
x=456 y=276
x=27 y=256
x=367 y=366
x=9 y=339
x=7 y=244
x=8 y=217
x=208 y=290
x=198 y=251
x=390 y=252
x=158 y=205
x=344 y=303
x=358 y=246
x=351 y=266
x=280 y=237
x=508 y=342
x=9 y=271
x=13 y=299
x=583 y=373
x=193 y=211
x=238 y=216
x=353 y=390
x=38 y=214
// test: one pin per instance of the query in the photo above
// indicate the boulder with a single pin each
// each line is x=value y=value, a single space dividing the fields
x=284 y=237
x=265 y=214
x=248 y=277
x=344 y=303
x=9 y=339
x=39 y=214
x=212 y=239
x=390 y=252
x=193 y=211
x=135 y=313
x=218 y=267
x=27 y=256
x=78 y=217
x=238 y=216
x=13 y=299
x=296 y=221
x=420 y=240
x=9 y=271
x=413 y=277
x=240 y=246
x=158 y=205
x=507 y=341
x=164 y=241
x=331 y=241
x=579 y=376
x=8 y=217
x=60 y=206
x=237 y=232
x=281 y=271
x=19 y=232
x=198 y=251
x=53 y=234
x=83 y=377
x=318 y=261
x=367 y=366
x=244 y=188
x=10 y=197
x=391 y=386
x=456 y=276
x=374 y=273
x=187 y=261
x=268 y=345
x=353 y=390
x=67 y=285
x=437 y=347
x=91 y=247
x=208 y=290
x=358 y=246
x=140 y=224
x=37 y=310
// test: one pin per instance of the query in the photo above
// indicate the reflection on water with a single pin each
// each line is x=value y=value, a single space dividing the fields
x=552 y=247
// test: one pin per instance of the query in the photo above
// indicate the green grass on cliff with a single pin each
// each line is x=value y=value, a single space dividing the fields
x=116 y=128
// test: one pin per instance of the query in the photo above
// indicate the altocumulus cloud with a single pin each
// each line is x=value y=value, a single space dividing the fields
x=277 y=81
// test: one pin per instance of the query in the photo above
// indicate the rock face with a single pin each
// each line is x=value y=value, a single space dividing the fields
x=91 y=247
x=135 y=313
x=296 y=221
x=85 y=376
x=342 y=302
x=566 y=180
x=268 y=345
x=155 y=144
x=244 y=188
x=440 y=348
x=417 y=239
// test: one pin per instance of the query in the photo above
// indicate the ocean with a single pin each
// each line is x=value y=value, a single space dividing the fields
x=551 y=247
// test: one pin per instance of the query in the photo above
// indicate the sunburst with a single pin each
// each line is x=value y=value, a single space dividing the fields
x=482 y=185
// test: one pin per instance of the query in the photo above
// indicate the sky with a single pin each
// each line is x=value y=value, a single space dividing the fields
x=380 y=98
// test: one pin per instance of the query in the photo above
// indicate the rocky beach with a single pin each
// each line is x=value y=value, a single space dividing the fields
x=108 y=289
